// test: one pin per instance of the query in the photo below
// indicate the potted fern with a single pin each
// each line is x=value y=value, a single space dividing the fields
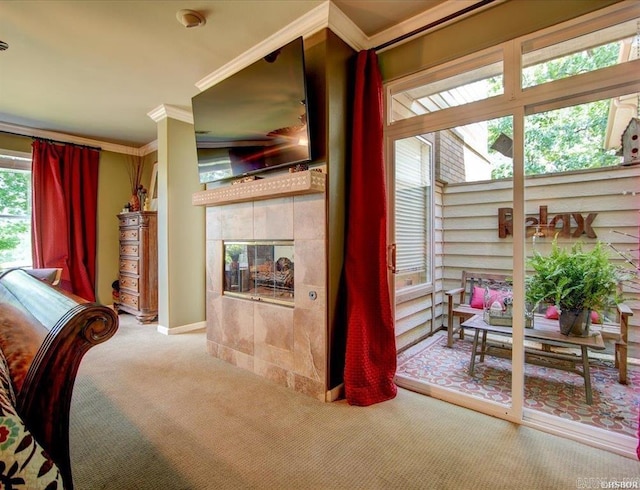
x=576 y=281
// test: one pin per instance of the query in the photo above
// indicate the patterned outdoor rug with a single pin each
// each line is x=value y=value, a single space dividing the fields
x=615 y=406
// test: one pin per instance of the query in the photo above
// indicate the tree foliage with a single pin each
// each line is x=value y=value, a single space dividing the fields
x=15 y=188
x=14 y=192
x=570 y=138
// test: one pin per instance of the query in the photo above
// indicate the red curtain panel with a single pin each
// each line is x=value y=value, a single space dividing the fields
x=65 y=192
x=370 y=363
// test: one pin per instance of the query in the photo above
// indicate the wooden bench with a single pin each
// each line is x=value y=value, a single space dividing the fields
x=44 y=333
x=459 y=299
x=618 y=332
x=458 y=306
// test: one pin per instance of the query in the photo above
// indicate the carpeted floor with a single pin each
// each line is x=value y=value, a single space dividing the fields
x=615 y=406
x=151 y=411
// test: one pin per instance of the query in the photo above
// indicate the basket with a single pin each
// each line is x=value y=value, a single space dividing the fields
x=504 y=319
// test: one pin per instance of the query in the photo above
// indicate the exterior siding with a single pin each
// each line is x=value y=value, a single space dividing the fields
x=466 y=234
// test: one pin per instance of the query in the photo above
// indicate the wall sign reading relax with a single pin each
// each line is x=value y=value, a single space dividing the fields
x=561 y=224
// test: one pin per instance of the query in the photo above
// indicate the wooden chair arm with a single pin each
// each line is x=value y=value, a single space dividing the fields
x=624 y=312
x=452 y=292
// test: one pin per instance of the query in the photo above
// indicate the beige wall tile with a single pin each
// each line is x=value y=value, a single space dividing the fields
x=309 y=387
x=273 y=334
x=310 y=262
x=237 y=324
x=309 y=335
x=214 y=317
x=309 y=217
x=214 y=227
x=236 y=221
x=274 y=373
x=273 y=219
x=214 y=266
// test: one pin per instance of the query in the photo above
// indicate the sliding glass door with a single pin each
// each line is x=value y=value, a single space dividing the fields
x=528 y=143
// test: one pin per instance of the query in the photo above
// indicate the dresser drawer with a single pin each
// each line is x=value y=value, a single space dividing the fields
x=129 y=249
x=129 y=234
x=129 y=220
x=129 y=265
x=130 y=283
x=129 y=300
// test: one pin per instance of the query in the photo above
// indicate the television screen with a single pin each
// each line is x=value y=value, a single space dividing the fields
x=254 y=120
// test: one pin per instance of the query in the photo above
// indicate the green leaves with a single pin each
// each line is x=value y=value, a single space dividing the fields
x=574 y=278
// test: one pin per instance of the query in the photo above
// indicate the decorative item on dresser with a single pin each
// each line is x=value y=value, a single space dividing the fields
x=138 y=274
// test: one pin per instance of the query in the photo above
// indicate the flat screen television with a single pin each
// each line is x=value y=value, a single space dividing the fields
x=255 y=119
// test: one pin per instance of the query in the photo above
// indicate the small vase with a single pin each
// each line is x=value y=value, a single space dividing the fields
x=134 y=203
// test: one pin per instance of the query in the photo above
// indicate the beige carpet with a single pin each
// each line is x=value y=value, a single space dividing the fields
x=157 y=412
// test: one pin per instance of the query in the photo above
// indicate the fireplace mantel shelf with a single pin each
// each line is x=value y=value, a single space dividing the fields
x=292 y=184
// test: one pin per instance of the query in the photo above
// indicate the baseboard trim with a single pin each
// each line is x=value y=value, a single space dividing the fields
x=191 y=327
x=335 y=393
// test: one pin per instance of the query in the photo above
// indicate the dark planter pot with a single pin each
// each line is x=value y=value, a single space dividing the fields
x=575 y=322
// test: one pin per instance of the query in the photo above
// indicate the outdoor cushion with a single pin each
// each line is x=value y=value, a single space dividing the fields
x=478 y=296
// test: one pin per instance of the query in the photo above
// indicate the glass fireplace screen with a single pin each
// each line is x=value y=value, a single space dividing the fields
x=259 y=270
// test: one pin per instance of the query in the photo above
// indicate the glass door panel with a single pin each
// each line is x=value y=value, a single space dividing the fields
x=470 y=234
x=574 y=200
x=412 y=238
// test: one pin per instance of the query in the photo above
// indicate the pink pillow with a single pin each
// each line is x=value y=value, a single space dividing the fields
x=477 y=298
x=552 y=313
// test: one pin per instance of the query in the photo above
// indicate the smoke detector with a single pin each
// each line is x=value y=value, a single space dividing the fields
x=190 y=18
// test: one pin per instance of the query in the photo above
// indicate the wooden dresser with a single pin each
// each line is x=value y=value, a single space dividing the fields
x=138 y=274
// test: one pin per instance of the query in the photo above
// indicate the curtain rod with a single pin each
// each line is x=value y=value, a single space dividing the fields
x=52 y=140
x=66 y=143
x=433 y=24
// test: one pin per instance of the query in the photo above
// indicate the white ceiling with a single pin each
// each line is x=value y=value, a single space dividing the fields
x=95 y=70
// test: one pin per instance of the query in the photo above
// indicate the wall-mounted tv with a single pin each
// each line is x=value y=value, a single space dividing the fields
x=255 y=119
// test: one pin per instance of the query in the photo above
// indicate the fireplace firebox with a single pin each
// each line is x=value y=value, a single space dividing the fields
x=260 y=271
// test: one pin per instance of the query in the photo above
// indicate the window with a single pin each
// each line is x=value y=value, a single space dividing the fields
x=582 y=54
x=413 y=205
x=449 y=87
x=15 y=209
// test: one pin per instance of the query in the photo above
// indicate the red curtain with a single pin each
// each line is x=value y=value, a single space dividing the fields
x=370 y=363
x=65 y=191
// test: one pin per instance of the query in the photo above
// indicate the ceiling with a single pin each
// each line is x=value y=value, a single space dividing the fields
x=96 y=70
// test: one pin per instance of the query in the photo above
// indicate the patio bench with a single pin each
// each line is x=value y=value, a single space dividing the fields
x=461 y=303
x=618 y=332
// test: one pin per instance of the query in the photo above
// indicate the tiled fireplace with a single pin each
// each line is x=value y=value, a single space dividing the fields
x=261 y=316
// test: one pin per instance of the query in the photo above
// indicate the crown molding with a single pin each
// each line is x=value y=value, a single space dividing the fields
x=163 y=111
x=311 y=22
x=343 y=27
x=148 y=148
x=67 y=138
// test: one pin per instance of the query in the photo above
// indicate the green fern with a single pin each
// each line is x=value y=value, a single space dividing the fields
x=574 y=278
